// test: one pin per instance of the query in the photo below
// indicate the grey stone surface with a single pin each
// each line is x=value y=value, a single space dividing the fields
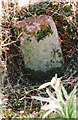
x=40 y=54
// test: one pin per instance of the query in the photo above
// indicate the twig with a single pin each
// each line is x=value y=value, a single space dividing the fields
x=12 y=41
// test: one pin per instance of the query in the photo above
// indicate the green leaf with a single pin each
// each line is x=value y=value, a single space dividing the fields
x=46 y=114
x=64 y=110
x=51 y=95
x=64 y=92
x=61 y=113
x=71 y=102
x=59 y=95
x=56 y=76
x=41 y=98
x=44 y=85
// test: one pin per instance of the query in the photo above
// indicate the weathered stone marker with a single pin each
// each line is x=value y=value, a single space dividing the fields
x=40 y=43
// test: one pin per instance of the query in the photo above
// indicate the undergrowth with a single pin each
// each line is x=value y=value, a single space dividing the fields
x=17 y=83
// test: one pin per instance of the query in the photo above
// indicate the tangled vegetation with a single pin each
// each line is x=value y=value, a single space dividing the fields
x=18 y=84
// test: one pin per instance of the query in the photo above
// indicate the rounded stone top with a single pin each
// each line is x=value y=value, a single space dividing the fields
x=33 y=24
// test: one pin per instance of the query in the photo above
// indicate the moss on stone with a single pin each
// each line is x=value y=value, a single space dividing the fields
x=45 y=30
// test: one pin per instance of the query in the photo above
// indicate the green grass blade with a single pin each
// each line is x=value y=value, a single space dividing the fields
x=59 y=95
x=60 y=113
x=64 y=92
x=71 y=102
x=64 y=109
x=51 y=95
